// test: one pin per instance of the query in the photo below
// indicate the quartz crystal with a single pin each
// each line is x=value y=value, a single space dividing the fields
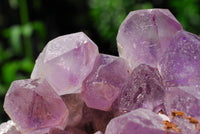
x=140 y=121
x=34 y=106
x=104 y=83
x=180 y=63
x=144 y=89
x=185 y=125
x=8 y=127
x=145 y=34
x=66 y=61
x=177 y=99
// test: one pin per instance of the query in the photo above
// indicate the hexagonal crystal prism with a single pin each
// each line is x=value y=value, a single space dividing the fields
x=145 y=34
x=66 y=61
x=34 y=106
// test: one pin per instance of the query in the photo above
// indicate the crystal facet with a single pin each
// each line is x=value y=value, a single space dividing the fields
x=105 y=82
x=140 y=121
x=35 y=106
x=180 y=63
x=145 y=34
x=144 y=89
x=66 y=61
x=177 y=99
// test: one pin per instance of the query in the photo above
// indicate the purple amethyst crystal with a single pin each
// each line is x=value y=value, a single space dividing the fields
x=66 y=61
x=185 y=126
x=34 y=106
x=104 y=83
x=176 y=99
x=144 y=89
x=140 y=121
x=145 y=34
x=180 y=63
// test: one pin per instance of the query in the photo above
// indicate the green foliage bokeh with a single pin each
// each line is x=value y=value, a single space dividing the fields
x=34 y=24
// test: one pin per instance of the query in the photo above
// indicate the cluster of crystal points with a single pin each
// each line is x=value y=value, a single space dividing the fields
x=74 y=89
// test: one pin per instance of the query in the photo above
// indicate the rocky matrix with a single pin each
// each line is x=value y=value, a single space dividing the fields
x=153 y=87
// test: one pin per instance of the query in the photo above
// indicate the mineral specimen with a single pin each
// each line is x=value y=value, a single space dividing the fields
x=180 y=63
x=104 y=83
x=66 y=61
x=139 y=121
x=34 y=106
x=144 y=89
x=152 y=88
x=145 y=34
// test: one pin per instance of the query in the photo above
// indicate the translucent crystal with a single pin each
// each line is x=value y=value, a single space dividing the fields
x=140 y=121
x=177 y=99
x=180 y=63
x=144 y=89
x=105 y=82
x=9 y=127
x=145 y=34
x=34 y=106
x=66 y=61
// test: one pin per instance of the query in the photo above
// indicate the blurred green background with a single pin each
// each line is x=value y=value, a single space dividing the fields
x=26 y=26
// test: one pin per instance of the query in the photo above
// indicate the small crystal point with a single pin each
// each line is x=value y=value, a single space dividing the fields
x=34 y=106
x=66 y=61
x=145 y=34
x=104 y=83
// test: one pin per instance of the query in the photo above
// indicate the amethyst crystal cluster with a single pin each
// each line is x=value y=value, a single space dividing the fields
x=153 y=87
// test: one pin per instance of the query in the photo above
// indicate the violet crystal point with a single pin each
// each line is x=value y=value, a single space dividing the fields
x=144 y=89
x=180 y=64
x=145 y=34
x=66 y=61
x=140 y=121
x=104 y=83
x=34 y=106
